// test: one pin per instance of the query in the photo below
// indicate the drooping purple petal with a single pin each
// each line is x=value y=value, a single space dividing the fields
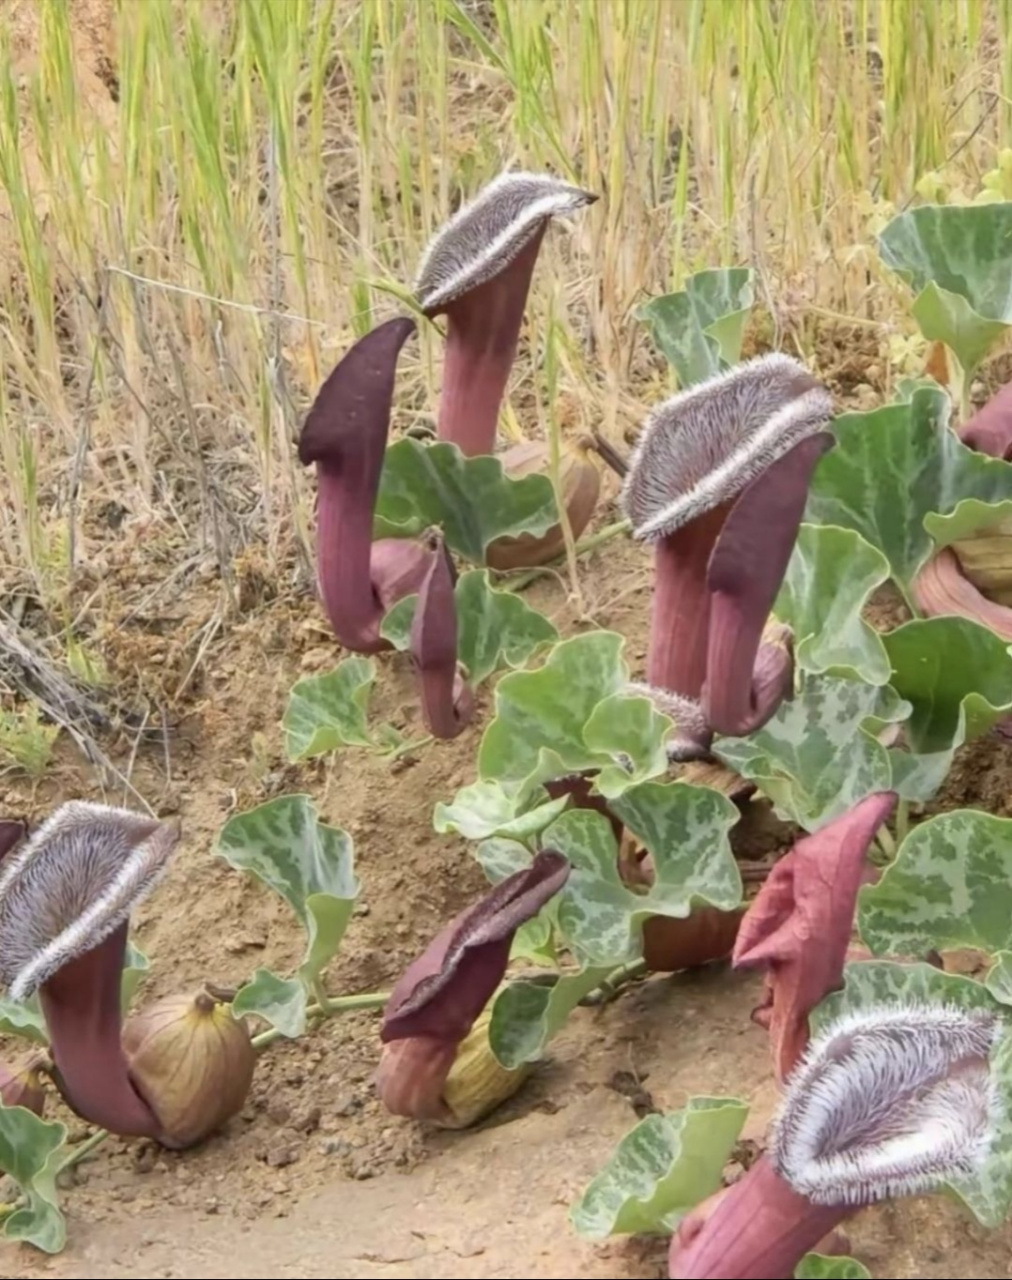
x=81 y=1005
x=799 y=925
x=345 y=434
x=66 y=894
x=441 y=993
x=447 y=701
x=477 y=271
x=745 y=573
x=990 y=429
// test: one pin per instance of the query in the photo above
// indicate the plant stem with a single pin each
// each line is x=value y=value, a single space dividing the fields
x=317 y=1012
x=590 y=543
x=607 y=990
x=322 y=999
x=77 y=1153
x=886 y=843
x=406 y=748
x=902 y=821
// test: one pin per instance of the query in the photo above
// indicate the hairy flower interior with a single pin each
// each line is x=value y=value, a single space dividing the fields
x=66 y=888
x=704 y=445
x=889 y=1102
x=485 y=235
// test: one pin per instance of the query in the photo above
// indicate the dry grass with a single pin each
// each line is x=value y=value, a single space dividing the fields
x=202 y=202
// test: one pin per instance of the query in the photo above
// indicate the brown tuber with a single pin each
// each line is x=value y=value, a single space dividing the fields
x=580 y=480
x=192 y=1062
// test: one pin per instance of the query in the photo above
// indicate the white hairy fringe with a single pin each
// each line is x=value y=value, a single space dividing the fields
x=705 y=444
x=485 y=235
x=67 y=887
x=691 y=728
x=889 y=1101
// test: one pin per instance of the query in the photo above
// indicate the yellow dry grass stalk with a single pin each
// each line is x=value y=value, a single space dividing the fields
x=188 y=244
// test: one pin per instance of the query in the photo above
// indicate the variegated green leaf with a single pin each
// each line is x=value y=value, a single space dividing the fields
x=815 y=759
x=471 y=499
x=700 y=329
x=495 y=629
x=330 y=711
x=311 y=865
x=279 y=1001
x=565 y=717
x=526 y=1015
x=662 y=1168
x=830 y=578
x=31 y=1152
x=684 y=828
x=949 y=886
x=488 y=808
x=895 y=466
x=957 y=676
x=874 y=983
x=958 y=261
x=23 y=1019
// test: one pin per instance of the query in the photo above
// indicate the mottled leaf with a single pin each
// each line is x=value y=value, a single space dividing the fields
x=135 y=968
x=815 y=759
x=279 y=1001
x=949 y=886
x=662 y=1168
x=471 y=499
x=685 y=830
x=699 y=329
x=330 y=711
x=494 y=628
x=526 y=1015
x=31 y=1151
x=816 y=1266
x=999 y=977
x=958 y=261
x=488 y=808
x=830 y=578
x=544 y=718
x=23 y=1019
x=873 y=983
x=957 y=676
x=892 y=468
x=311 y=865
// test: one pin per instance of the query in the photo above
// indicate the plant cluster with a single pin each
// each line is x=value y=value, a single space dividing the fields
x=605 y=798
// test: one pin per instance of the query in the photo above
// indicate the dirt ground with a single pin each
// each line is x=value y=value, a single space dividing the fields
x=314 y=1178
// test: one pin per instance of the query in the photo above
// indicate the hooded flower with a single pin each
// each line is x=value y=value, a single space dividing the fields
x=800 y=923
x=718 y=484
x=66 y=895
x=442 y=994
x=345 y=434
x=890 y=1101
x=973 y=577
x=477 y=272
x=447 y=701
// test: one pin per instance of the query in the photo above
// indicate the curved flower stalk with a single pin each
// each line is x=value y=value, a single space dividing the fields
x=345 y=434
x=66 y=895
x=890 y=1101
x=973 y=577
x=718 y=484
x=800 y=923
x=477 y=272
x=441 y=998
x=447 y=700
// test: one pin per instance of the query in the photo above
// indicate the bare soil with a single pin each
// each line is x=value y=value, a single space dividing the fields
x=315 y=1178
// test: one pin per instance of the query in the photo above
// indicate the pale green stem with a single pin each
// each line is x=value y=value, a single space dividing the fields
x=607 y=990
x=317 y=1012
x=886 y=843
x=902 y=821
x=406 y=748
x=78 y=1152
